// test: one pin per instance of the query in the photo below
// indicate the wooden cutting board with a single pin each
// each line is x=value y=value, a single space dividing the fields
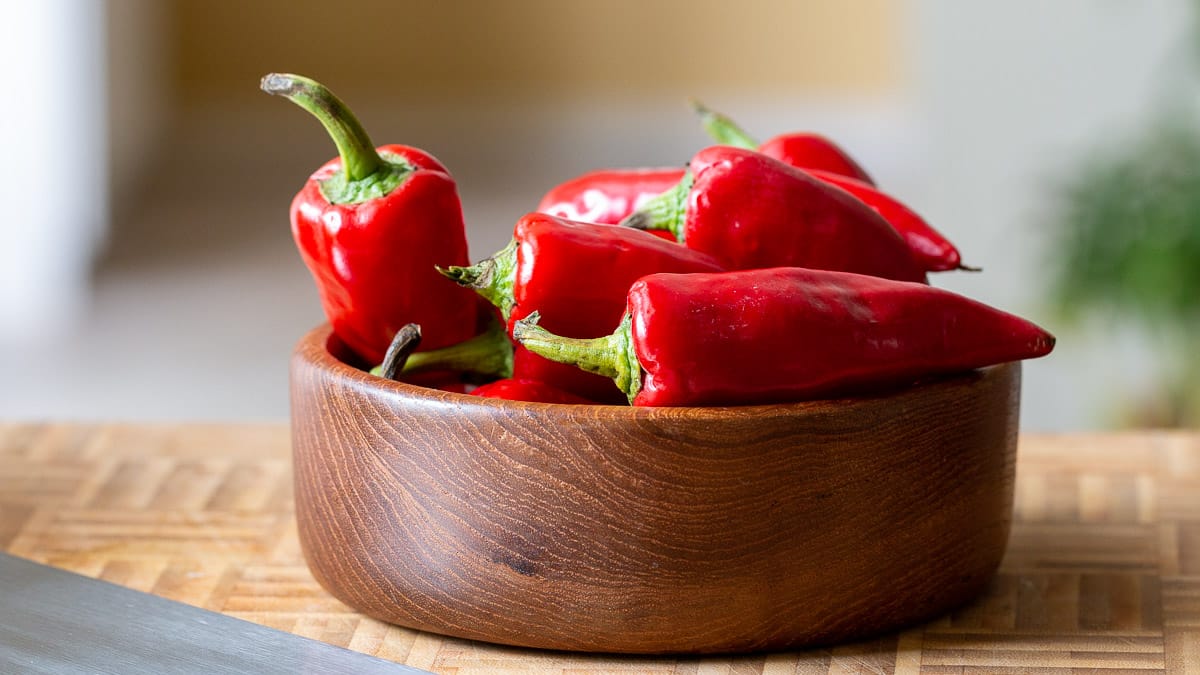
x=1102 y=572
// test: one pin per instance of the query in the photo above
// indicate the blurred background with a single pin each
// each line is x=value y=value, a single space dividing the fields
x=147 y=269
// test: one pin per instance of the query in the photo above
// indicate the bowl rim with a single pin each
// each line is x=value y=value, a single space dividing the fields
x=315 y=348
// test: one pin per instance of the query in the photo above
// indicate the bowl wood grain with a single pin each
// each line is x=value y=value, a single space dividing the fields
x=668 y=530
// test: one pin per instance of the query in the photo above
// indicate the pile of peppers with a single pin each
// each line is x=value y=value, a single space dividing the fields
x=756 y=273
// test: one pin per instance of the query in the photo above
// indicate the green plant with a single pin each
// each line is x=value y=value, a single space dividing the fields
x=1127 y=244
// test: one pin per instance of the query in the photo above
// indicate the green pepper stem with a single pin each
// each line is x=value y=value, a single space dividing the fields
x=611 y=356
x=667 y=211
x=722 y=129
x=489 y=354
x=491 y=278
x=359 y=158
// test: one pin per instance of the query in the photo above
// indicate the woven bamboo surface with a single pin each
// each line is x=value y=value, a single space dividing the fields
x=1102 y=573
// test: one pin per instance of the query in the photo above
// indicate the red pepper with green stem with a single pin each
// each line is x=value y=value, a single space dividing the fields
x=750 y=211
x=830 y=164
x=372 y=225
x=805 y=150
x=577 y=276
x=787 y=334
x=610 y=195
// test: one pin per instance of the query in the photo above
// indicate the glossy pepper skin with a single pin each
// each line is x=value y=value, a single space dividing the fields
x=372 y=225
x=751 y=211
x=607 y=195
x=576 y=275
x=813 y=151
x=527 y=390
x=802 y=149
x=789 y=334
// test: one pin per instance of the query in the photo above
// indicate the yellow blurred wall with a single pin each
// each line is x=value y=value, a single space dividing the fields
x=532 y=47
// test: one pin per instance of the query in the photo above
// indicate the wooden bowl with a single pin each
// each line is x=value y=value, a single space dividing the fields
x=643 y=530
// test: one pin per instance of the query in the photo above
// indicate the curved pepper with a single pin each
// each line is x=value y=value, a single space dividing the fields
x=750 y=211
x=610 y=195
x=823 y=159
x=787 y=334
x=576 y=275
x=803 y=149
x=820 y=157
x=372 y=225
x=932 y=250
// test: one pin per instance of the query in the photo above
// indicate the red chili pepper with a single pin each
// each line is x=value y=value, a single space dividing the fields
x=372 y=225
x=750 y=211
x=826 y=161
x=540 y=270
x=787 y=334
x=932 y=250
x=527 y=390
x=608 y=195
x=805 y=150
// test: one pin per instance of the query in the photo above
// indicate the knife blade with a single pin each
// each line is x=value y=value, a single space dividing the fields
x=54 y=621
